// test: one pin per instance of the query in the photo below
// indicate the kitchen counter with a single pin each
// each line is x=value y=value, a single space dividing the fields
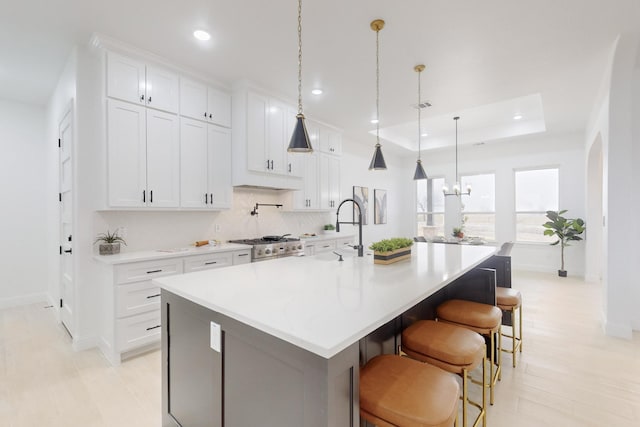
x=127 y=257
x=281 y=342
x=320 y=304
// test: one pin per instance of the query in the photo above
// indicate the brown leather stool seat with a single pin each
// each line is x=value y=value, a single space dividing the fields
x=484 y=319
x=398 y=391
x=510 y=300
x=453 y=348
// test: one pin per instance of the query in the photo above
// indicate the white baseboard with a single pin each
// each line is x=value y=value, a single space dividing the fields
x=617 y=330
x=635 y=325
x=84 y=343
x=24 y=300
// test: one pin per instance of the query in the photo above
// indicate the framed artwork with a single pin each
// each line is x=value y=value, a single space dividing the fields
x=379 y=206
x=361 y=195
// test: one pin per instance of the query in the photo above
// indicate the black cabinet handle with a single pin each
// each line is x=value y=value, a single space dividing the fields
x=151 y=196
x=289 y=167
x=210 y=115
x=154 y=271
x=271 y=164
x=210 y=262
x=153 y=296
x=68 y=251
x=142 y=97
x=211 y=197
x=154 y=327
x=206 y=199
x=144 y=196
x=243 y=254
x=149 y=100
x=267 y=164
x=205 y=114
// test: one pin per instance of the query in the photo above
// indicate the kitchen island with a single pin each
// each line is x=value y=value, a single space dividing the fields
x=279 y=343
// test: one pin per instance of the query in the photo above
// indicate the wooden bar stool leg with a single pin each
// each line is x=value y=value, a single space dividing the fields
x=491 y=361
x=465 y=397
x=499 y=367
x=520 y=322
x=484 y=391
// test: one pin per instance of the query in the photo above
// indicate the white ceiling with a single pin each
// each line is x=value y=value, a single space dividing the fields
x=477 y=53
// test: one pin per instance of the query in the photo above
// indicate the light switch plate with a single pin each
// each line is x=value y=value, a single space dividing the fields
x=215 y=337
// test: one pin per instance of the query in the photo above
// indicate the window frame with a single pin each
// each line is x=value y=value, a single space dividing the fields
x=428 y=213
x=516 y=212
x=463 y=213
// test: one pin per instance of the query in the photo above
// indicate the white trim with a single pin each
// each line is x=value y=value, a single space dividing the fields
x=84 y=343
x=617 y=330
x=24 y=300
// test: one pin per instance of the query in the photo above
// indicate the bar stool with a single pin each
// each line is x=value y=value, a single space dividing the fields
x=453 y=348
x=398 y=391
x=508 y=299
x=484 y=319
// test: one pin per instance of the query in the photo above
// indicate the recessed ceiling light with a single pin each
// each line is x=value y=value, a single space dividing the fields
x=374 y=121
x=517 y=117
x=317 y=91
x=201 y=35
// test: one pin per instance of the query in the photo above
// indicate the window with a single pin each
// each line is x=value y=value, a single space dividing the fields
x=536 y=193
x=479 y=209
x=430 y=207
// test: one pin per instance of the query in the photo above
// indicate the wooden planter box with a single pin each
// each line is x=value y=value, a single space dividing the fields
x=391 y=257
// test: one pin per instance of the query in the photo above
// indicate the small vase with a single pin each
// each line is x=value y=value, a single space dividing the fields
x=109 y=248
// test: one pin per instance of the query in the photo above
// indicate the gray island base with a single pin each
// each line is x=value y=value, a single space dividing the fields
x=236 y=361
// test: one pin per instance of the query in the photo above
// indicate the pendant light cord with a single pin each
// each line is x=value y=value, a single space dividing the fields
x=377 y=87
x=299 y=56
x=419 y=108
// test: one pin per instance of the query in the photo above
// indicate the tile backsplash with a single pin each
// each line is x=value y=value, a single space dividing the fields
x=146 y=230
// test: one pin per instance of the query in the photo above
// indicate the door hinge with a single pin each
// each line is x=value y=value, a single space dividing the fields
x=59 y=142
x=59 y=197
x=60 y=302
x=61 y=250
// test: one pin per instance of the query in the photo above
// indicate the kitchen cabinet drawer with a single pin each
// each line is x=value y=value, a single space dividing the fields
x=137 y=331
x=206 y=262
x=243 y=257
x=139 y=271
x=136 y=298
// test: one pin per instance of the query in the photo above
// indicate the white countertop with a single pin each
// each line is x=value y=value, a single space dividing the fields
x=126 y=257
x=320 y=304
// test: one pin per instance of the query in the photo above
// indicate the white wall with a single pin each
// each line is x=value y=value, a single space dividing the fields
x=504 y=157
x=23 y=256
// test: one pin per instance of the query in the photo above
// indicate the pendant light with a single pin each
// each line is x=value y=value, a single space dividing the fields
x=300 y=142
x=420 y=173
x=456 y=186
x=377 y=162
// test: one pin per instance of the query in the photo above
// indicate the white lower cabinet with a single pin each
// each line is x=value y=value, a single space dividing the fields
x=132 y=301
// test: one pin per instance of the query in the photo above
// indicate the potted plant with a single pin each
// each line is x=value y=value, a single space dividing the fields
x=565 y=230
x=388 y=251
x=458 y=232
x=329 y=228
x=110 y=243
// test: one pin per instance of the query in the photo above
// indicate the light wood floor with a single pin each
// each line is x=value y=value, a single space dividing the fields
x=569 y=374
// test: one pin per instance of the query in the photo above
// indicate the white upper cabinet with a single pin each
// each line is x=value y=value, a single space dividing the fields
x=132 y=81
x=143 y=156
x=330 y=141
x=309 y=197
x=201 y=102
x=206 y=165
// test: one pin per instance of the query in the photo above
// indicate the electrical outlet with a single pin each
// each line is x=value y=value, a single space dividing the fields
x=217 y=228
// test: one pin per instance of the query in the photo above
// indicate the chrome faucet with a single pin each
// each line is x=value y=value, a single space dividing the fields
x=338 y=222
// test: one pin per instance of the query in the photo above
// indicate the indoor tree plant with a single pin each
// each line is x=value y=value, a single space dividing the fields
x=110 y=242
x=388 y=251
x=566 y=230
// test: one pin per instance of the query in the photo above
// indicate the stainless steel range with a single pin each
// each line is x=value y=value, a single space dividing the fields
x=271 y=247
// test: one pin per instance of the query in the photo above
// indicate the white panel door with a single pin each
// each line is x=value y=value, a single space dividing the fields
x=219 y=154
x=193 y=100
x=276 y=148
x=126 y=146
x=256 y=133
x=194 y=164
x=163 y=160
x=67 y=283
x=125 y=78
x=219 y=107
x=162 y=89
